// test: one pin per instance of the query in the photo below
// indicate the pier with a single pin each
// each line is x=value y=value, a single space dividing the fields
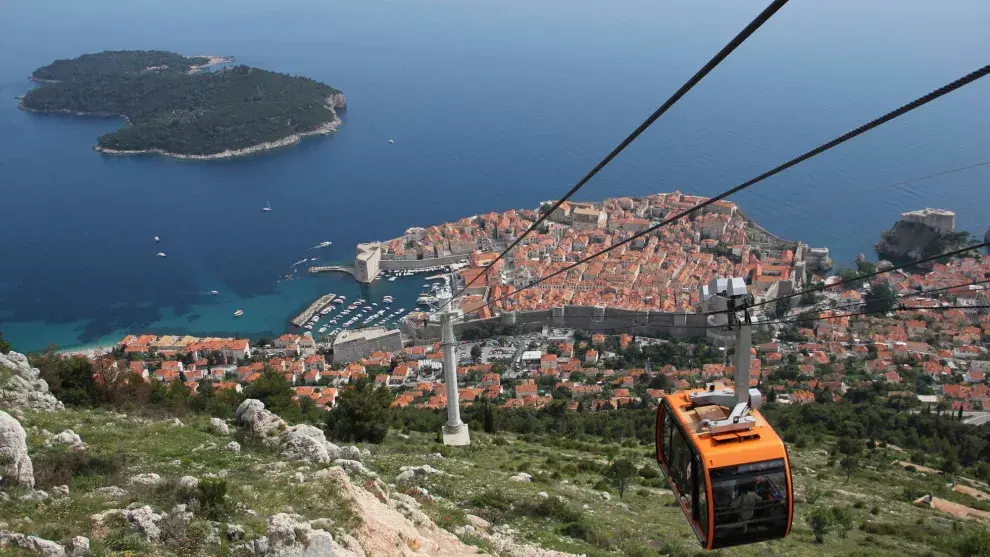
x=349 y=269
x=316 y=306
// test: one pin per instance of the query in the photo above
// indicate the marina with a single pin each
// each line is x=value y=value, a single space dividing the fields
x=323 y=301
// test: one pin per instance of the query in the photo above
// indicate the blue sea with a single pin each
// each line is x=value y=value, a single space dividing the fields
x=492 y=105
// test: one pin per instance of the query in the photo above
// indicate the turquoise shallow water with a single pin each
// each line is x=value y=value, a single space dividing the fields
x=491 y=106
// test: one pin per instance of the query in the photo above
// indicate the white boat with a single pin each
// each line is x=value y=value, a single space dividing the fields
x=310 y=327
x=391 y=279
x=156 y=238
x=160 y=254
x=267 y=207
x=239 y=313
x=322 y=245
x=213 y=292
x=391 y=141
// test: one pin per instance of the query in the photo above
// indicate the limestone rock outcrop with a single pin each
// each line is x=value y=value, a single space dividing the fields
x=219 y=426
x=262 y=423
x=21 y=385
x=15 y=464
x=33 y=544
x=306 y=442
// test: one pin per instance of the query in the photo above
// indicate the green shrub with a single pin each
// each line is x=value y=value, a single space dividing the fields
x=859 y=505
x=491 y=499
x=975 y=544
x=813 y=495
x=120 y=536
x=820 y=520
x=649 y=472
x=212 y=495
x=59 y=465
x=552 y=507
x=586 y=532
x=875 y=510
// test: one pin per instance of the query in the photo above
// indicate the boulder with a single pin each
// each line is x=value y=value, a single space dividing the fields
x=543 y=495
x=304 y=442
x=262 y=423
x=32 y=544
x=146 y=480
x=350 y=453
x=60 y=491
x=354 y=467
x=15 y=464
x=24 y=388
x=79 y=547
x=35 y=496
x=111 y=491
x=290 y=536
x=479 y=523
x=235 y=532
x=409 y=473
x=233 y=447
x=70 y=438
x=219 y=426
x=188 y=483
x=521 y=477
x=143 y=520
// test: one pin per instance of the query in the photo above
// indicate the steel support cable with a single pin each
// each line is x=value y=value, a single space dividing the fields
x=936 y=175
x=762 y=18
x=783 y=321
x=917 y=103
x=903 y=296
x=875 y=273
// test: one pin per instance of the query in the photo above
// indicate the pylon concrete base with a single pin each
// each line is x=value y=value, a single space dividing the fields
x=457 y=436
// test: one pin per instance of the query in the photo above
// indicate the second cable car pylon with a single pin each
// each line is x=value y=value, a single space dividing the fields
x=726 y=466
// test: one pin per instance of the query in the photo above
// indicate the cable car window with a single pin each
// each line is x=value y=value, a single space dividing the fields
x=750 y=502
x=681 y=468
x=701 y=496
x=668 y=428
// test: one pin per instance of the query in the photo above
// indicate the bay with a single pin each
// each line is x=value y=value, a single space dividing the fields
x=492 y=105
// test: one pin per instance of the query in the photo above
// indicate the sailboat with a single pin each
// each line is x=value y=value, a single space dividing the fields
x=267 y=207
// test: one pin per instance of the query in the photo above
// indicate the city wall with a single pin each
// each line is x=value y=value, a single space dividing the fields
x=588 y=318
x=411 y=264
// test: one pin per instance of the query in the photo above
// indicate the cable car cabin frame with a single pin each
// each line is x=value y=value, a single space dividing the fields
x=746 y=473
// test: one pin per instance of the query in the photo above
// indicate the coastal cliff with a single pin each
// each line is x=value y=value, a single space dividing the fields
x=908 y=241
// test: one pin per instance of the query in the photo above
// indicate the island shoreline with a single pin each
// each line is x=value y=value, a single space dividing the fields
x=324 y=129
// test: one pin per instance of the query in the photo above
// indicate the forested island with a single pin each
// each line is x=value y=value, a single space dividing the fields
x=175 y=108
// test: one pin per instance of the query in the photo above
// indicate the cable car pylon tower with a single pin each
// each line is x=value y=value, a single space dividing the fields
x=455 y=431
x=727 y=299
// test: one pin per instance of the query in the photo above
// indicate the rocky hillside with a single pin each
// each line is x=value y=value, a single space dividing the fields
x=97 y=482
x=109 y=483
x=22 y=387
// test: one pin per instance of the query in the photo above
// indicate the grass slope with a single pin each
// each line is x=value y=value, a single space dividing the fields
x=647 y=518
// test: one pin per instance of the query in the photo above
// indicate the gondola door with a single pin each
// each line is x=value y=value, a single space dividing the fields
x=682 y=465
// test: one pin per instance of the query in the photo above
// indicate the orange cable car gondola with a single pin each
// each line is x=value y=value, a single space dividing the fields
x=727 y=467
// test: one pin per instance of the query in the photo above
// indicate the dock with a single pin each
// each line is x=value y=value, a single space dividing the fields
x=320 y=303
x=349 y=269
